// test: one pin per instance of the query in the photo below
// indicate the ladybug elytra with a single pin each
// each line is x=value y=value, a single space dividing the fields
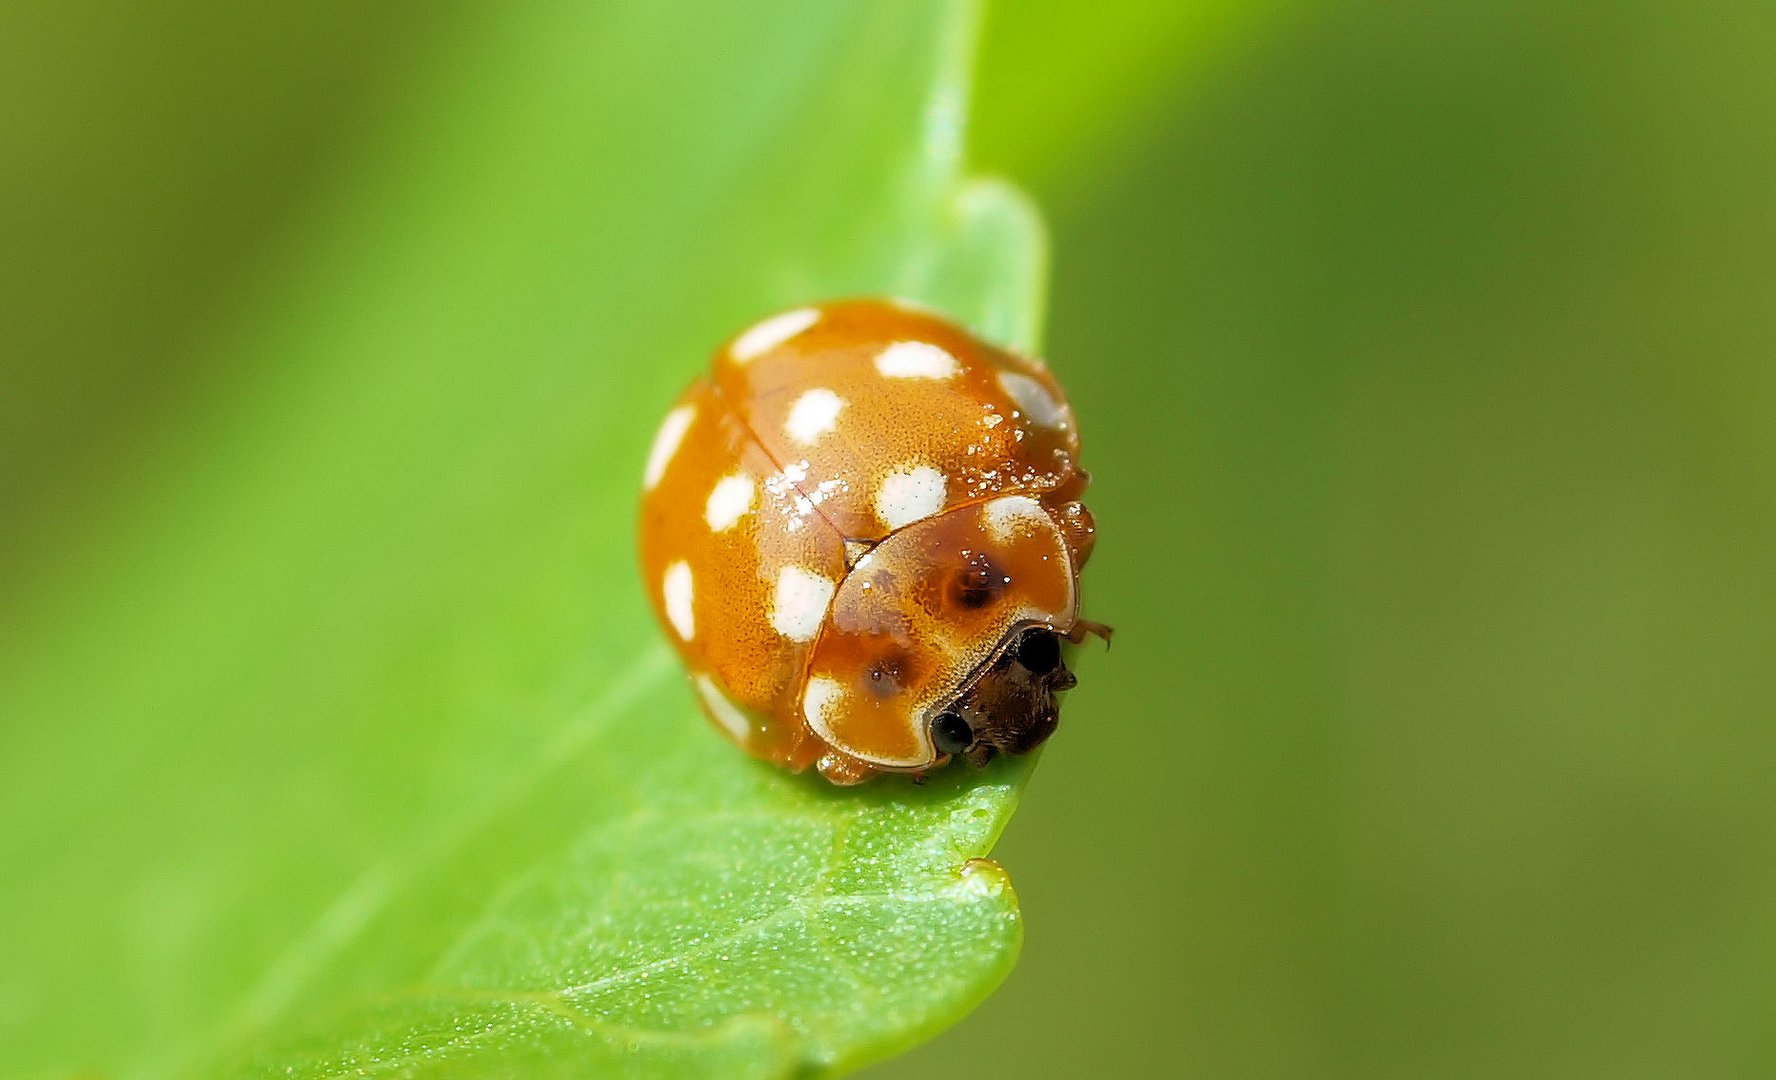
x=862 y=531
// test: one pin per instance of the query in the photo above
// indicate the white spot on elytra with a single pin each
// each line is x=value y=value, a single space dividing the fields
x=814 y=414
x=1034 y=400
x=819 y=699
x=726 y=713
x=676 y=587
x=767 y=335
x=916 y=360
x=1004 y=516
x=729 y=501
x=799 y=607
x=666 y=440
x=909 y=494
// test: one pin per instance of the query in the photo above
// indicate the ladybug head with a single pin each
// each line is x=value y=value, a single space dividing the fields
x=1009 y=706
x=941 y=640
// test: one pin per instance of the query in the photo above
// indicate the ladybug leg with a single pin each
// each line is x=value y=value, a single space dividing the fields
x=980 y=755
x=1084 y=627
x=1073 y=488
x=843 y=770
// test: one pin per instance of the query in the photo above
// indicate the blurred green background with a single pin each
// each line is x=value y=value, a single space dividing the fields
x=1424 y=359
x=1427 y=363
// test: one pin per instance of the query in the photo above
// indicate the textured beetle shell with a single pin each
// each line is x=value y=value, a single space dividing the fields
x=935 y=641
x=825 y=433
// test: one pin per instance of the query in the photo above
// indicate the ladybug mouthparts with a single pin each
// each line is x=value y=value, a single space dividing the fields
x=1009 y=704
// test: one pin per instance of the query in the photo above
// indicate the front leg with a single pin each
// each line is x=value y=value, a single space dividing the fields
x=1084 y=627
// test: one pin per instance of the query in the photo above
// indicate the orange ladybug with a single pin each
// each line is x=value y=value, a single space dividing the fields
x=862 y=531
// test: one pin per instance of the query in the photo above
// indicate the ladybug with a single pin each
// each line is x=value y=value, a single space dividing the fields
x=862 y=531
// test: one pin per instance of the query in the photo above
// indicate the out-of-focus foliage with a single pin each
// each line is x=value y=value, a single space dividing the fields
x=1426 y=365
x=340 y=740
x=1060 y=87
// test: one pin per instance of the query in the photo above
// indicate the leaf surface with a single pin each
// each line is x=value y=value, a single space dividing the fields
x=352 y=748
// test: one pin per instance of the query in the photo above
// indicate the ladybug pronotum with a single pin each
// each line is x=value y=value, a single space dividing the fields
x=862 y=530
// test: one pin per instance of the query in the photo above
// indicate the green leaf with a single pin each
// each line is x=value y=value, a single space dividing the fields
x=352 y=748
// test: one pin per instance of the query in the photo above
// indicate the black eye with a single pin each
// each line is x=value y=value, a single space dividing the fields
x=1040 y=651
x=951 y=734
